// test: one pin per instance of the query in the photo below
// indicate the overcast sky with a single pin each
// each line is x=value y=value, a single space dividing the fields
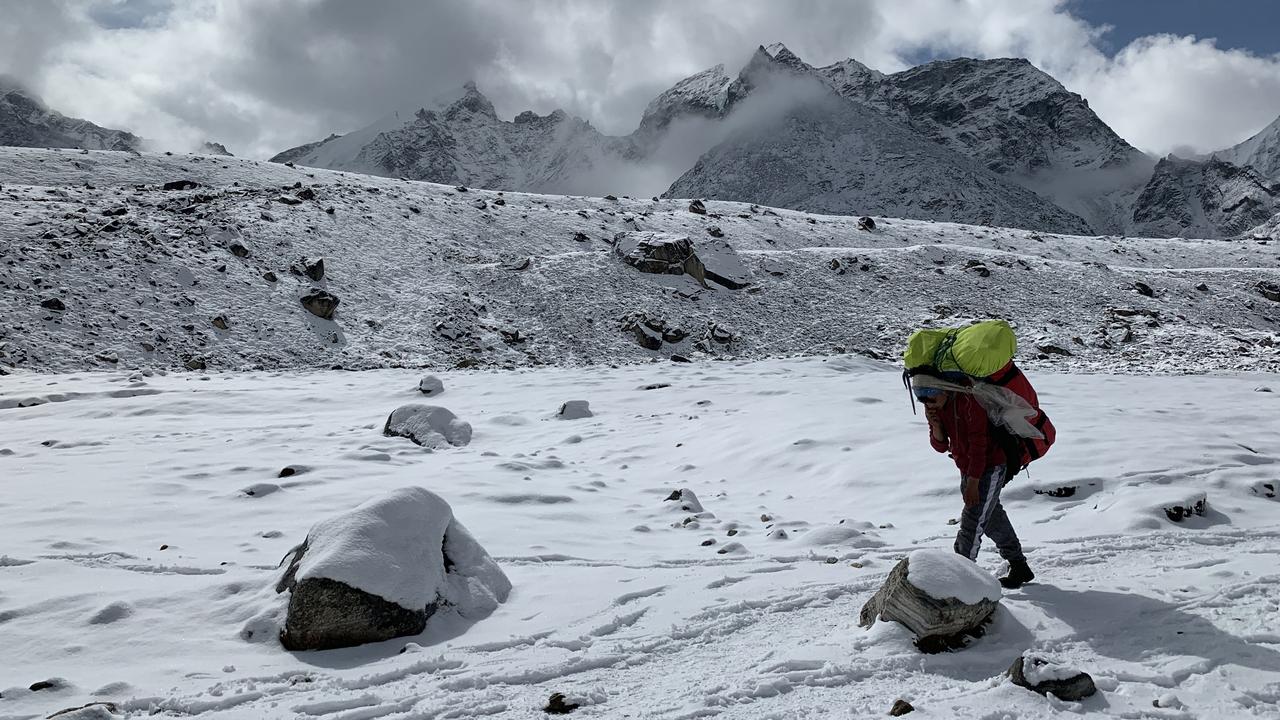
x=264 y=75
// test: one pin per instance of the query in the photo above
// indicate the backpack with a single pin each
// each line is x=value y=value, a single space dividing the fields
x=980 y=357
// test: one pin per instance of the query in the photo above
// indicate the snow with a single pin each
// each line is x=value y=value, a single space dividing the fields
x=644 y=623
x=942 y=574
x=390 y=546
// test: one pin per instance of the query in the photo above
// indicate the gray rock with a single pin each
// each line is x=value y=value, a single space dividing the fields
x=866 y=224
x=939 y=624
x=53 y=303
x=1193 y=506
x=1269 y=290
x=320 y=303
x=1077 y=687
x=427 y=425
x=430 y=386
x=313 y=268
x=900 y=707
x=575 y=410
x=325 y=614
x=722 y=264
x=230 y=239
x=661 y=254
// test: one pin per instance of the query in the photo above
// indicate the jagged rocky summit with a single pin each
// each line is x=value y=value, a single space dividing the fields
x=25 y=121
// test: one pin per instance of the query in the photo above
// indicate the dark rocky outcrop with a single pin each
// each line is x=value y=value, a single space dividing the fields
x=1046 y=677
x=320 y=303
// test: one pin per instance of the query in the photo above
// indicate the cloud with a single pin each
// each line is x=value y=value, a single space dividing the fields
x=262 y=75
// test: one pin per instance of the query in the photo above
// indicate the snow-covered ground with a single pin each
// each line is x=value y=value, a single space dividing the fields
x=431 y=276
x=133 y=560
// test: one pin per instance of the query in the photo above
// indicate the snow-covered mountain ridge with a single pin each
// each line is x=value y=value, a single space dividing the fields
x=102 y=268
x=25 y=121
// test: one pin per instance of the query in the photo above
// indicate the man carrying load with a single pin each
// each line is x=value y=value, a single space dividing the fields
x=982 y=410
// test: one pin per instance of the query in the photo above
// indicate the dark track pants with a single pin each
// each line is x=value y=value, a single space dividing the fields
x=988 y=518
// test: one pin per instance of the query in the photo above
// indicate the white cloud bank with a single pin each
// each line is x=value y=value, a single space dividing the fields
x=262 y=75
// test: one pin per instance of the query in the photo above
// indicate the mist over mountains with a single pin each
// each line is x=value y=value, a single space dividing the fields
x=993 y=141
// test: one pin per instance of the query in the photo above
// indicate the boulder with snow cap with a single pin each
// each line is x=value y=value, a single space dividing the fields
x=940 y=596
x=383 y=570
x=1044 y=676
x=430 y=386
x=427 y=425
x=575 y=410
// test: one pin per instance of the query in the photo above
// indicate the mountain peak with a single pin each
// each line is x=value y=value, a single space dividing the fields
x=472 y=101
x=1261 y=151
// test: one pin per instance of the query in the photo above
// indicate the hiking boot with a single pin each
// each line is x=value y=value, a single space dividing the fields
x=1019 y=574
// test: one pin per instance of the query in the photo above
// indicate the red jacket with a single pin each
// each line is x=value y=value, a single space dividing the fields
x=967 y=434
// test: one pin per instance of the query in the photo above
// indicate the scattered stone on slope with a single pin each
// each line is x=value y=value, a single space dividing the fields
x=660 y=253
x=1195 y=504
x=220 y=322
x=575 y=410
x=1144 y=289
x=53 y=303
x=715 y=231
x=722 y=265
x=92 y=711
x=557 y=704
x=382 y=570
x=696 y=206
x=230 y=239
x=427 y=425
x=900 y=707
x=321 y=303
x=1042 y=676
x=1269 y=290
x=269 y=276
x=310 y=267
x=978 y=267
x=430 y=386
x=866 y=224
x=181 y=185
x=581 y=237
x=1048 y=349
x=306 y=193
x=939 y=623
x=645 y=336
x=688 y=501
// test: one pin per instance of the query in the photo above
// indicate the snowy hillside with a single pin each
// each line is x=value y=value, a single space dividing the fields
x=1194 y=198
x=1261 y=152
x=102 y=268
x=25 y=121
x=145 y=520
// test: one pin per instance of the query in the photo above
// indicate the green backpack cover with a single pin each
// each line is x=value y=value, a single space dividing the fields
x=977 y=350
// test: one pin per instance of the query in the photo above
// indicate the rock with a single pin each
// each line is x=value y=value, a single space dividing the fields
x=866 y=224
x=558 y=705
x=581 y=237
x=91 y=711
x=53 y=303
x=1269 y=290
x=291 y=470
x=269 y=276
x=722 y=265
x=1202 y=287
x=50 y=684
x=1195 y=504
x=575 y=410
x=1144 y=289
x=116 y=211
x=383 y=570
x=680 y=359
x=427 y=425
x=978 y=267
x=715 y=231
x=288 y=200
x=231 y=240
x=1044 y=676
x=430 y=386
x=955 y=602
x=660 y=253
x=613 y=198
x=180 y=185
x=645 y=337
x=900 y=707
x=313 y=268
x=1065 y=491
x=688 y=502
x=1053 y=350
x=220 y=322
x=306 y=194
x=696 y=206
x=320 y=303
x=500 y=202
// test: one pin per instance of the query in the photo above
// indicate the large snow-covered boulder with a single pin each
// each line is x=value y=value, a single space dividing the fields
x=660 y=253
x=430 y=386
x=383 y=570
x=940 y=596
x=427 y=425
